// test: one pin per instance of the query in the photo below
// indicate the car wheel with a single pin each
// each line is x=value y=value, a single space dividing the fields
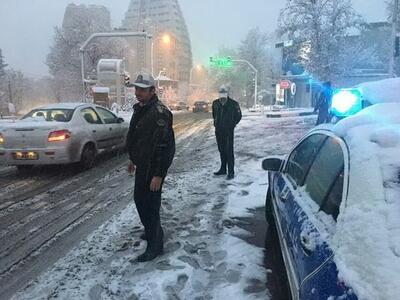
x=268 y=207
x=87 y=157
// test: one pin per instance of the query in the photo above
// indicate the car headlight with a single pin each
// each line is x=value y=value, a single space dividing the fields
x=1 y=139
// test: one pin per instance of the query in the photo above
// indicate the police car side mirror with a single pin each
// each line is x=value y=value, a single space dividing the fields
x=272 y=164
x=120 y=120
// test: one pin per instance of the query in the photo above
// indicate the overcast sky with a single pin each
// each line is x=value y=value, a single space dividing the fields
x=26 y=26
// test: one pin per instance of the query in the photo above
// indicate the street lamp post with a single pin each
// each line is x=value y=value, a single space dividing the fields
x=255 y=78
x=104 y=35
x=166 y=40
x=393 y=37
x=197 y=67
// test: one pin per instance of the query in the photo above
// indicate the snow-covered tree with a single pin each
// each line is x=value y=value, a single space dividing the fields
x=3 y=65
x=318 y=29
x=253 y=48
x=258 y=49
x=64 y=60
x=14 y=82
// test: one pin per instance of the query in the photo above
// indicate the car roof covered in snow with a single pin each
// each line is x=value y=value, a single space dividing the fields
x=381 y=91
x=367 y=239
x=65 y=105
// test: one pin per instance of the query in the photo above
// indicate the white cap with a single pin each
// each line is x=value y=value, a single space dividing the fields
x=223 y=89
x=144 y=81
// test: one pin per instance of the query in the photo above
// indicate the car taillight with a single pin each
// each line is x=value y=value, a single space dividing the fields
x=1 y=139
x=59 y=135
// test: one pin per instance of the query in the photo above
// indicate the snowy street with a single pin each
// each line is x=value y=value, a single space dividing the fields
x=206 y=253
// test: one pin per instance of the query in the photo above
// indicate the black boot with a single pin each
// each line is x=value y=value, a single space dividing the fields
x=220 y=172
x=151 y=253
x=230 y=176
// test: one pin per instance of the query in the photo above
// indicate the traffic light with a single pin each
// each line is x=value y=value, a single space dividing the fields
x=127 y=79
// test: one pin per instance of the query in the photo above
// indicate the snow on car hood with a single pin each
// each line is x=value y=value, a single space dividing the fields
x=367 y=239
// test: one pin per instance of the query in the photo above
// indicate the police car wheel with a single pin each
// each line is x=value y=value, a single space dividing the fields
x=268 y=207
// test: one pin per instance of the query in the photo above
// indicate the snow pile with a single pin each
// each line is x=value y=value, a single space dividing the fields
x=381 y=91
x=367 y=240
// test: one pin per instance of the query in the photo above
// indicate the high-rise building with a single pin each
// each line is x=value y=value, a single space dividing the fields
x=169 y=51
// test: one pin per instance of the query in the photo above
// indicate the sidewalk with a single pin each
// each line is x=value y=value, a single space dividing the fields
x=290 y=112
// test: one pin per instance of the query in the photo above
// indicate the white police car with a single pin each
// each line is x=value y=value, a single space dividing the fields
x=335 y=201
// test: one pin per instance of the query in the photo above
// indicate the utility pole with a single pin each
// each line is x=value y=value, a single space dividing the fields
x=395 y=11
x=255 y=78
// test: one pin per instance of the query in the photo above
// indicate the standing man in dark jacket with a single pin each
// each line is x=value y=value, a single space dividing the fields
x=151 y=148
x=226 y=114
x=323 y=103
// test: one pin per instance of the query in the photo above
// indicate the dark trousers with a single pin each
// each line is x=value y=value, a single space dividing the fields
x=225 y=147
x=323 y=116
x=148 y=207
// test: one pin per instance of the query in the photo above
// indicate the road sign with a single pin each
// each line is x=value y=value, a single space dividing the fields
x=221 y=62
x=285 y=84
x=293 y=88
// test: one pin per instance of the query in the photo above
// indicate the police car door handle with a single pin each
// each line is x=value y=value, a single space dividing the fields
x=94 y=131
x=284 y=194
x=306 y=245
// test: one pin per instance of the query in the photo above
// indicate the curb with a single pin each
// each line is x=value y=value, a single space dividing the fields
x=291 y=114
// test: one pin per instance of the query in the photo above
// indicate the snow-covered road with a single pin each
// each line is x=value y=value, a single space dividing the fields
x=205 y=256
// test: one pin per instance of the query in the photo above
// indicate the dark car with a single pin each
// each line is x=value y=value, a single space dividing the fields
x=200 y=106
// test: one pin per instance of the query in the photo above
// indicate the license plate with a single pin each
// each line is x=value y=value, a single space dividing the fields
x=29 y=155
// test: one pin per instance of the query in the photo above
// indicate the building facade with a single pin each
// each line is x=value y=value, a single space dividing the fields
x=169 y=51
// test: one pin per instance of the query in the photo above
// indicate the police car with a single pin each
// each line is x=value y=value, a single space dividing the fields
x=335 y=202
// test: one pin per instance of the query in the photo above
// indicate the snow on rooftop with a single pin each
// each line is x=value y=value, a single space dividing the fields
x=378 y=114
x=386 y=90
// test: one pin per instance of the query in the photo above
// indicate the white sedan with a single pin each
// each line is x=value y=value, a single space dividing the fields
x=61 y=133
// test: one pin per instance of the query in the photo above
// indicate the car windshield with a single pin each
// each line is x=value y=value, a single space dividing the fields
x=58 y=115
x=200 y=103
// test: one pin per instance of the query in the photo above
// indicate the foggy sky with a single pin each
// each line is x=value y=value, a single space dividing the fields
x=26 y=26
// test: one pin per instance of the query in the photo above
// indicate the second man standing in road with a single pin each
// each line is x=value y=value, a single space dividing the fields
x=227 y=114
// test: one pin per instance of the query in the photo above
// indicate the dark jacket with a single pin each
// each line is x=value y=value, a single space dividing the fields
x=151 y=141
x=324 y=100
x=226 y=116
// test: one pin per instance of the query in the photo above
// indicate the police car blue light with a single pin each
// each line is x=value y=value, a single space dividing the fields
x=346 y=102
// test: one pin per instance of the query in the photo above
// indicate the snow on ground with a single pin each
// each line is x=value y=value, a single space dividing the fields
x=204 y=258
